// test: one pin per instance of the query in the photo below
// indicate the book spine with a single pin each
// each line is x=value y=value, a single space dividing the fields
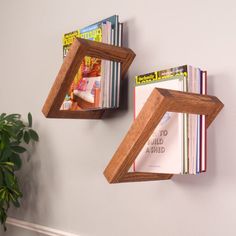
x=204 y=130
x=185 y=136
x=200 y=129
x=198 y=73
x=190 y=123
x=205 y=90
x=103 y=71
x=119 y=65
x=108 y=69
x=116 y=63
x=112 y=73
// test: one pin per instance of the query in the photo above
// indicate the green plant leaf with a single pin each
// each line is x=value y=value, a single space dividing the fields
x=13 y=133
x=18 y=149
x=8 y=131
x=14 y=201
x=12 y=117
x=26 y=137
x=9 y=166
x=1 y=178
x=3 y=218
x=6 y=163
x=33 y=135
x=15 y=158
x=19 y=135
x=2 y=145
x=6 y=153
x=2 y=116
x=9 y=179
x=14 y=198
x=4 y=140
x=30 y=119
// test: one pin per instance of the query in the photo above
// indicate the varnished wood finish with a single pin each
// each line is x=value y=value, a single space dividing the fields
x=78 y=50
x=143 y=176
x=159 y=102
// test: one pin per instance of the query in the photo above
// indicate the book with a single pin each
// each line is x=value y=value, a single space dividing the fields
x=120 y=43
x=194 y=123
x=204 y=129
x=85 y=87
x=163 y=152
x=94 y=84
x=198 y=155
x=188 y=131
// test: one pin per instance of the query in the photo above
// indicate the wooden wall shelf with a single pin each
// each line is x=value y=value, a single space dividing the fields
x=78 y=50
x=159 y=102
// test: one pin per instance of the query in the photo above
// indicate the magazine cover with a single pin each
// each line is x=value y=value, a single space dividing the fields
x=85 y=91
x=68 y=40
x=163 y=152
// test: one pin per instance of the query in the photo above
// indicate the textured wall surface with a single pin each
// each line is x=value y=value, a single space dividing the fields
x=63 y=184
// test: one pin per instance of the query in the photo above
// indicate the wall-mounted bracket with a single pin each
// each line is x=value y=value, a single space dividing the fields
x=159 y=102
x=78 y=50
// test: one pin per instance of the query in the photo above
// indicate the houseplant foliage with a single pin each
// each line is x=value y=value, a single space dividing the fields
x=15 y=136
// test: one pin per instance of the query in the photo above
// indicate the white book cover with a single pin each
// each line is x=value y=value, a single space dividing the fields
x=192 y=125
x=163 y=152
x=198 y=154
x=203 y=147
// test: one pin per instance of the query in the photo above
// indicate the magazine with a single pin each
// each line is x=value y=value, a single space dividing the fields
x=163 y=152
x=94 y=85
x=178 y=144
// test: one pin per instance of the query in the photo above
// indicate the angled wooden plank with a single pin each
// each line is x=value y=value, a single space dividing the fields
x=143 y=176
x=64 y=79
x=193 y=103
x=159 y=102
x=78 y=50
x=137 y=136
x=89 y=114
x=110 y=52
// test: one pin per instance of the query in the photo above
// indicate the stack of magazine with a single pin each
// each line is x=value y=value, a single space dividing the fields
x=97 y=83
x=178 y=144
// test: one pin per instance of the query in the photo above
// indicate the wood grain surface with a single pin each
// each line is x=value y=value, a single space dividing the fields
x=159 y=102
x=78 y=50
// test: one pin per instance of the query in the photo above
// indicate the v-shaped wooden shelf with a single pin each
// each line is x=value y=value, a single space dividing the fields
x=78 y=50
x=159 y=102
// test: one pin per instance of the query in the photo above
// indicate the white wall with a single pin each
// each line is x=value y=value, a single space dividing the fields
x=63 y=184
